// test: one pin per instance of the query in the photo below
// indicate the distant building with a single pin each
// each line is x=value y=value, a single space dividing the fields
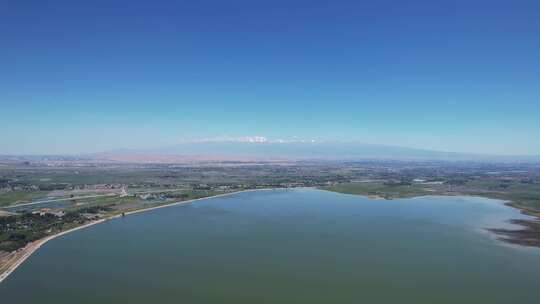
x=123 y=192
x=45 y=211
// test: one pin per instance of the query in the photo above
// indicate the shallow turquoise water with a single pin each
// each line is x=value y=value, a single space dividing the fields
x=287 y=246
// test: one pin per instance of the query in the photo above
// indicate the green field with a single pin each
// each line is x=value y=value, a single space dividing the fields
x=13 y=197
x=379 y=189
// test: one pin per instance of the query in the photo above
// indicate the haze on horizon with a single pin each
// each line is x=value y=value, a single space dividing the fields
x=84 y=77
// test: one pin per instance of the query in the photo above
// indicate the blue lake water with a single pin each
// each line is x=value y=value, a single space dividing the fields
x=288 y=246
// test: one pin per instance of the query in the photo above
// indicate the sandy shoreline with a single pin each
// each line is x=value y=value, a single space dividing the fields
x=29 y=249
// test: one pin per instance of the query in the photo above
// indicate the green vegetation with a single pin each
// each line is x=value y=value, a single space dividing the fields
x=379 y=189
x=17 y=231
x=14 y=197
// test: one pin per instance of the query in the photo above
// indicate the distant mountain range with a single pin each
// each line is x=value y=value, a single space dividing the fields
x=273 y=151
x=234 y=150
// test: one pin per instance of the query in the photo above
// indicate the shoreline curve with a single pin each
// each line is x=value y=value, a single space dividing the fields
x=37 y=244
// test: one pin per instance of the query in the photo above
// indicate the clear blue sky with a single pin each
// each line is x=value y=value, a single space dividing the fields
x=87 y=76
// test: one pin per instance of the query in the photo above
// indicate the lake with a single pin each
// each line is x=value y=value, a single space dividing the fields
x=288 y=246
